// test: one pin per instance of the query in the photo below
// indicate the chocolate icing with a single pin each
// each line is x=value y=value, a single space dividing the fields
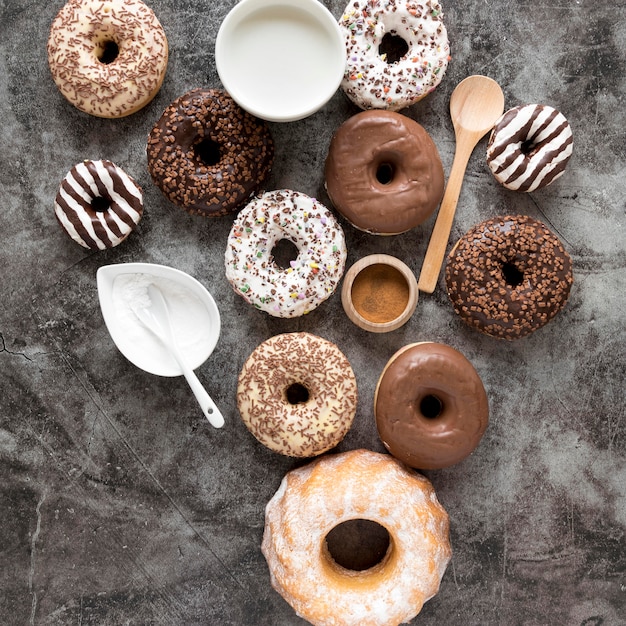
x=374 y=147
x=508 y=276
x=430 y=372
x=208 y=155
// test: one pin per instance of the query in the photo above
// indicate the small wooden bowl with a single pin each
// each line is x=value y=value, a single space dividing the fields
x=379 y=293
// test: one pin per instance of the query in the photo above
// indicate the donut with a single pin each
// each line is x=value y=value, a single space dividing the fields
x=304 y=282
x=430 y=406
x=383 y=172
x=529 y=147
x=397 y=52
x=98 y=204
x=334 y=492
x=207 y=155
x=508 y=276
x=297 y=394
x=107 y=57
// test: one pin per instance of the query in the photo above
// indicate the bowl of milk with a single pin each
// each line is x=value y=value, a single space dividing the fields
x=281 y=60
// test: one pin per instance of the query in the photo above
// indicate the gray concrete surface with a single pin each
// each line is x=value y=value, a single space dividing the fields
x=120 y=505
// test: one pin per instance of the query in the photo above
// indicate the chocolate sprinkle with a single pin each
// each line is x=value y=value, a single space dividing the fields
x=508 y=276
x=242 y=146
x=301 y=429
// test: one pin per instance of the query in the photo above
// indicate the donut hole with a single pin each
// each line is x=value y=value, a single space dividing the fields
x=108 y=52
x=297 y=393
x=100 y=204
x=385 y=173
x=527 y=146
x=431 y=406
x=392 y=47
x=357 y=544
x=207 y=151
x=284 y=252
x=513 y=276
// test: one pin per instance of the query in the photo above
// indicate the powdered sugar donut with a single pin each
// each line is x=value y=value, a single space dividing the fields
x=397 y=51
x=314 y=500
x=529 y=147
x=98 y=204
x=310 y=278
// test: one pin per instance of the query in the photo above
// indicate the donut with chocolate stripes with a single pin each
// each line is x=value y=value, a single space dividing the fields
x=98 y=204
x=529 y=147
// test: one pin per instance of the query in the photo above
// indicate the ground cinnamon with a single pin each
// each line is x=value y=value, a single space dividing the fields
x=380 y=293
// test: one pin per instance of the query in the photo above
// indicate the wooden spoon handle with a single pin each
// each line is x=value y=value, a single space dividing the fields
x=441 y=231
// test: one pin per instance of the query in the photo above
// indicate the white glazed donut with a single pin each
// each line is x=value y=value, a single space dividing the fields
x=310 y=279
x=357 y=485
x=297 y=394
x=529 y=147
x=375 y=80
x=98 y=204
x=107 y=57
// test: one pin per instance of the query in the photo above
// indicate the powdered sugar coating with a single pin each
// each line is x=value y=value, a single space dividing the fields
x=311 y=278
x=79 y=36
x=529 y=147
x=315 y=424
x=314 y=499
x=373 y=83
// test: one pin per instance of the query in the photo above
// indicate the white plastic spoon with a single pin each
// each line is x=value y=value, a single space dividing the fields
x=157 y=319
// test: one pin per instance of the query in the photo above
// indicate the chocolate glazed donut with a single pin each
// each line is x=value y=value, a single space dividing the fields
x=430 y=405
x=383 y=172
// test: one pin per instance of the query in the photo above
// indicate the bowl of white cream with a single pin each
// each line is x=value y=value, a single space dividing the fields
x=195 y=318
x=281 y=60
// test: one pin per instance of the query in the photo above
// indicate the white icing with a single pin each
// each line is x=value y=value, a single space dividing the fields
x=313 y=275
x=188 y=314
x=373 y=83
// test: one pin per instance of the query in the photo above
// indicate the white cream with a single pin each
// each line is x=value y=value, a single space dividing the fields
x=189 y=316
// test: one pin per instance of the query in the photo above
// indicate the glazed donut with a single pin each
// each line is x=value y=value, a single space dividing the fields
x=207 y=155
x=310 y=278
x=383 y=172
x=297 y=394
x=508 y=276
x=107 y=57
x=318 y=498
x=430 y=406
x=98 y=204
x=529 y=147
x=397 y=51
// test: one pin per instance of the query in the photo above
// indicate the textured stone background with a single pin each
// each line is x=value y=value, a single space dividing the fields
x=119 y=504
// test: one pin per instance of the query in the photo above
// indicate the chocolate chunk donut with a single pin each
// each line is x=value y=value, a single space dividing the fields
x=508 y=276
x=383 y=172
x=430 y=405
x=208 y=155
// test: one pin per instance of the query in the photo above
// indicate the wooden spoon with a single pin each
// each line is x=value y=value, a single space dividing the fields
x=476 y=104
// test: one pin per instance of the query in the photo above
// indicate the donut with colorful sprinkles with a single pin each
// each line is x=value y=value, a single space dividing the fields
x=397 y=51
x=301 y=284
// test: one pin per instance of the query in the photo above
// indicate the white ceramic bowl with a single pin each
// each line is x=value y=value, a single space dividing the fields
x=281 y=60
x=195 y=316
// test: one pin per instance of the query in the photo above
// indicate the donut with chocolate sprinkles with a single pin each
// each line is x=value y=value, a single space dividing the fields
x=207 y=155
x=508 y=276
x=108 y=58
x=297 y=394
